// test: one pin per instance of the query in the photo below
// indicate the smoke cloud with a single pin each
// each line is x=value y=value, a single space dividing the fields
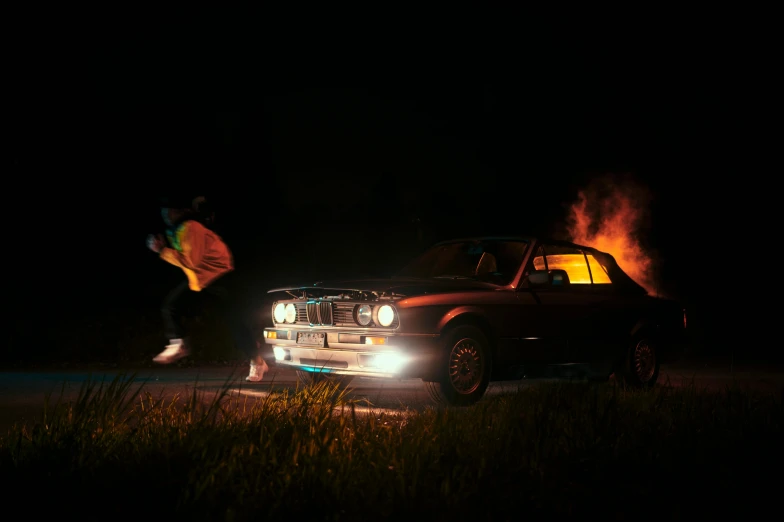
x=612 y=215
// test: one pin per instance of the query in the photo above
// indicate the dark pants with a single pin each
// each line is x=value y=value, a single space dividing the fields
x=218 y=297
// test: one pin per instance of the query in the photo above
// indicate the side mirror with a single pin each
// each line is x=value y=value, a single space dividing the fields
x=549 y=278
x=559 y=278
x=539 y=278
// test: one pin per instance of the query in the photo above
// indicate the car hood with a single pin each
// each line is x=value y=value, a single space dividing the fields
x=397 y=286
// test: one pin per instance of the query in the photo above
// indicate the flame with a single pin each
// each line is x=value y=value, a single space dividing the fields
x=609 y=216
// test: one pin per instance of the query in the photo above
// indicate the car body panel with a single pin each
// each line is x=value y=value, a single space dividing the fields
x=526 y=325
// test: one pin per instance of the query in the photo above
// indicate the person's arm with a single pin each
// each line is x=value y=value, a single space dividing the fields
x=191 y=236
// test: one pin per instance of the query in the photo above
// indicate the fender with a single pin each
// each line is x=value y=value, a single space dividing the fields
x=468 y=314
x=454 y=313
x=644 y=323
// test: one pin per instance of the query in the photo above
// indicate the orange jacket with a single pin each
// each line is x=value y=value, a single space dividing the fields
x=200 y=252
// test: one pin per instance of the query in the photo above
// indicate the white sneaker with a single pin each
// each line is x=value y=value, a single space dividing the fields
x=173 y=352
x=257 y=371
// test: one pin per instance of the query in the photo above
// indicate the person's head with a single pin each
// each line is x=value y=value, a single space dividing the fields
x=175 y=210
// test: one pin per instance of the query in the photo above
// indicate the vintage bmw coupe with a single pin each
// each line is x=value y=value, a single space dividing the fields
x=470 y=311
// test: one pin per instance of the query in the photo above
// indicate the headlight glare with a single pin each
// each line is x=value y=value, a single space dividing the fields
x=291 y=313
x=386 y=315
x=280 y=313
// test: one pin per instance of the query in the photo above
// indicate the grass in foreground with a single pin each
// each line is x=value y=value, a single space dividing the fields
x=555 y=449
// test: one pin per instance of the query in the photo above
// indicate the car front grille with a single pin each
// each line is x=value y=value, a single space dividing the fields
x=343 y=313
x=302 y=313
x=327 y=313
x=320 y=313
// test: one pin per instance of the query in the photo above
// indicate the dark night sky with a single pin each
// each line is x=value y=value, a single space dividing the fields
x=327 y=152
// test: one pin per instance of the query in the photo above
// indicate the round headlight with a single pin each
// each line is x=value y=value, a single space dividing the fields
x=386 y=314
x=364 y=315
x=280 y=313
x=291 y=313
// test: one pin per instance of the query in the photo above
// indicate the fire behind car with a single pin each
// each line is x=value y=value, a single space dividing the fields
x=470 y=311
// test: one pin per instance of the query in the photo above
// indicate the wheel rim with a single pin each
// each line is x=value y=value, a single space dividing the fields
x=644 y=361
x=466 y=366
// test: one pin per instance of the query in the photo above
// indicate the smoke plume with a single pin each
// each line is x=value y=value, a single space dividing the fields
x=611 y=214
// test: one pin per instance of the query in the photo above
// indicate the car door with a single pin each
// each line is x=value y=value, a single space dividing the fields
x=542 y=330
x=535 y=340
x=574 y=314
x=611 y=318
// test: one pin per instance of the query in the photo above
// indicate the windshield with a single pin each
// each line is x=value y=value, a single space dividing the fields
x=493 y=260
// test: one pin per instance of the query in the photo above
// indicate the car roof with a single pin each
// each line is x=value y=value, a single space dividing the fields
x=620 y=278
x=486 y=238
x=529 y=239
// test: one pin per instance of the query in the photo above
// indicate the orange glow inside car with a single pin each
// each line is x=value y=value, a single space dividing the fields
x=576 y=267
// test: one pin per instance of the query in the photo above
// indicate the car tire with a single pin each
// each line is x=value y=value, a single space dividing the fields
x=311 y=378
x=465 y=347
x=641 y=365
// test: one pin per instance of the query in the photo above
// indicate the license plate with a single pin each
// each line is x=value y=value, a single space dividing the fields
x=312 y=338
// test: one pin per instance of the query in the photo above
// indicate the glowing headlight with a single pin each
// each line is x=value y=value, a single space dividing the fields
x=280 y=313
x=364 y=315
x=386 y=314
x=291 y=313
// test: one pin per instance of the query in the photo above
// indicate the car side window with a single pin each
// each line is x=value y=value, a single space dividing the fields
x=538 y=259
x=509 y=255
x=582 y=268
x=598 y=272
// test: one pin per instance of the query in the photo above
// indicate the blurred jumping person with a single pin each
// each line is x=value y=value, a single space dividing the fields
x=208 y=264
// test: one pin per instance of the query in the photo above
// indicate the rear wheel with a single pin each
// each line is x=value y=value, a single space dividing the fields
x=310 y=378
x=464 y=370
x=642 y=362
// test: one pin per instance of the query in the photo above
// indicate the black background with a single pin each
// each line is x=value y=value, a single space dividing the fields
x=322 y=153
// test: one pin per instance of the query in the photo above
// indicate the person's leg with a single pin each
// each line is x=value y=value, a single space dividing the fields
x=246 y=342
x=235 y=314
x=173 y=310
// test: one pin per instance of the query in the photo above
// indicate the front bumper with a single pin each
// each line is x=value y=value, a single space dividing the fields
x=361 y=353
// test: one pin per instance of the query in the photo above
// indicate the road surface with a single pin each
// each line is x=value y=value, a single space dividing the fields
x=23 y=393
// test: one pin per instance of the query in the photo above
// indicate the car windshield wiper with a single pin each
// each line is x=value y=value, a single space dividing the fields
x=450 y=276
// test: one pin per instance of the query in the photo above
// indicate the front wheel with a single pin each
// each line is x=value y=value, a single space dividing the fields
x=464 y=370
x=642 y=363
x=311 y=378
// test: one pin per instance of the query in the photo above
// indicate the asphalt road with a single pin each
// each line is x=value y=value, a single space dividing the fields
x=23 y=393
